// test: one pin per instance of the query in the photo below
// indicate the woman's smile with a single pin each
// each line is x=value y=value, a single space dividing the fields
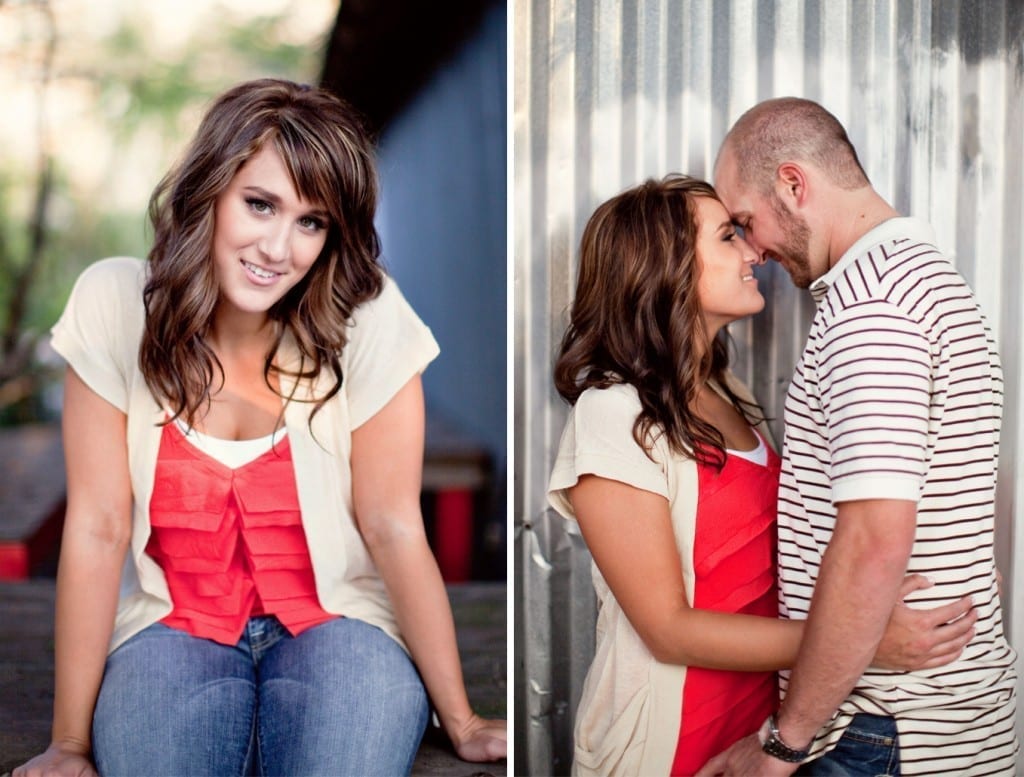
x=259 y=275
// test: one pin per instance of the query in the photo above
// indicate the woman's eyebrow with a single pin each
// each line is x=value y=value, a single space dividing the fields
x=274 y=199
x=263 y=194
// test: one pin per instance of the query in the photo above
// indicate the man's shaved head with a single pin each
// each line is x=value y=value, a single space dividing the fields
x=791 y=129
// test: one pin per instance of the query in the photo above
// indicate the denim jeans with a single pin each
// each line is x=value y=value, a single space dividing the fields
x=868 y=748
x=341 y=698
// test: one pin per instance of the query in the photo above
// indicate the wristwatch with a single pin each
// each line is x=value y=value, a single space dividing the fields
x=772 y=743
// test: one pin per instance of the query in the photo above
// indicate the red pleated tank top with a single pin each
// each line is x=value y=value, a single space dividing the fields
x=734 y=559
x=230 y=541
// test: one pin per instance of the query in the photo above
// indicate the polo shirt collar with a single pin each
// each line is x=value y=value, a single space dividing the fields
x=891 y=229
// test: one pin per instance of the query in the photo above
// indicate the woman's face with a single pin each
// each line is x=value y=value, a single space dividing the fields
x=265 y=238
x=726 y=288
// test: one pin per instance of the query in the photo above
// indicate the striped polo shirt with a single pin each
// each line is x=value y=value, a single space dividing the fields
x=898 y=395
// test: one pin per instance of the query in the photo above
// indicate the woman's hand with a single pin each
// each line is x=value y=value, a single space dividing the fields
x=923 y=639
x=481 y=740
x=58 y=760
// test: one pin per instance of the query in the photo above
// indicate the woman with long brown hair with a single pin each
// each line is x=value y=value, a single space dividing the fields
x=245 y=586
x=668 y=468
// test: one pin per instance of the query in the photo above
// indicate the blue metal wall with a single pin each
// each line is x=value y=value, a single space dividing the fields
x=442 y=219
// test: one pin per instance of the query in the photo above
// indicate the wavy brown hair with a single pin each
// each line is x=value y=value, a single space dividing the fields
x=329 y=158
x=636 y=318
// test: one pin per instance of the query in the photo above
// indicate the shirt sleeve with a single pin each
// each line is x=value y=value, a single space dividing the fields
x=388 y=344
x=874 y=367
x=98 y=332
x=598 y=440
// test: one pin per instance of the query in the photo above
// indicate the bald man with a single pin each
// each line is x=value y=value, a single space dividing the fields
x=889 y=466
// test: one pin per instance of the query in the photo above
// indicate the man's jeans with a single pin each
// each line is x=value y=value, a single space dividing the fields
x=341 y=698
x=870 y=747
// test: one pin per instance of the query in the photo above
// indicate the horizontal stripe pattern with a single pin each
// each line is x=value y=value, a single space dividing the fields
x=898 y=395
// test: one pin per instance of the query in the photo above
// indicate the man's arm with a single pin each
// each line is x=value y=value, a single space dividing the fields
x=858 y=585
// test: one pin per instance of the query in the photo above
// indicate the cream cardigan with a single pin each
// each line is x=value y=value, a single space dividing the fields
x=628 y=718
x=98 y=334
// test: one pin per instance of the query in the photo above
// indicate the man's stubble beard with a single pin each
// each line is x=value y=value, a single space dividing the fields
x=794 y=253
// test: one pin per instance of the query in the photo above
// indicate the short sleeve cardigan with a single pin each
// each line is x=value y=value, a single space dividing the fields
x=629 y=714
x=98 y=335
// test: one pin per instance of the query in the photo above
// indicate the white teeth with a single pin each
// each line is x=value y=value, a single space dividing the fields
x=259 y=271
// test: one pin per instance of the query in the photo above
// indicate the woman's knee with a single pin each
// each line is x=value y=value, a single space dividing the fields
x=348 y=696
x=172 y=703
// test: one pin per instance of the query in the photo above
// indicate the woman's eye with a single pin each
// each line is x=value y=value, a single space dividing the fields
x=258 y=206
x=311 y=223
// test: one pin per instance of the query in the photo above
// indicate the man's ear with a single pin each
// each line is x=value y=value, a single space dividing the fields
x=791 y=184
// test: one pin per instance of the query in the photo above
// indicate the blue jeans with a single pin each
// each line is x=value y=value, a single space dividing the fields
x=870 y=747
x=341 y=698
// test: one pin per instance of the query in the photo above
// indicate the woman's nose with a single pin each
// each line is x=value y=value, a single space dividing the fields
x=751 y=253
x=276 y=243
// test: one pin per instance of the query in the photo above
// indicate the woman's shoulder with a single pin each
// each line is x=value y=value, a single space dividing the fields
x=607 y=416
x=614 y=401
x=106 y=302
x=113 y=273
x=98 y=332
x=388 y=344
x=382 y=305
x=386 y=327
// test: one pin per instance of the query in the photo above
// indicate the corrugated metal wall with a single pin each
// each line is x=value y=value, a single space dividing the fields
x=607 y=93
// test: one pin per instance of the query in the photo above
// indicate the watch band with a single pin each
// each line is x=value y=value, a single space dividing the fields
x=772 y=744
